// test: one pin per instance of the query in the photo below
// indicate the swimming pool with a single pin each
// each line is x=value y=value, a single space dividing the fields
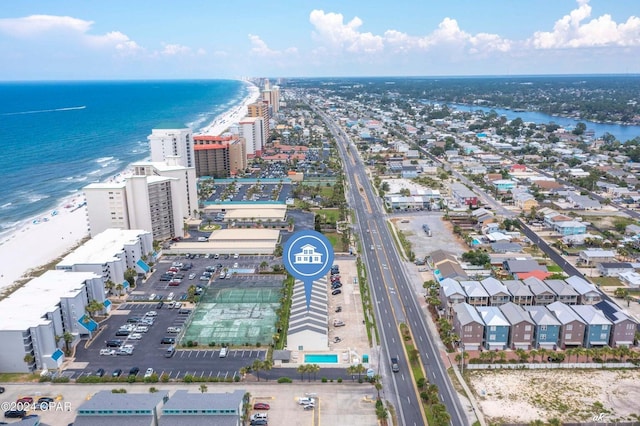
x=321 y=358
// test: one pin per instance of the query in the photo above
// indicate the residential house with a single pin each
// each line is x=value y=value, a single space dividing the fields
x=541 y=275
x=496 y=327
x=498 y=293
x=504 y=185
x=572 y=328
x=572 y=227
x=506 y=247
x=564 y=292
x=515 y=267
x=632 y=279
x=593 y=256
x=613 y=269
x=589 y=294
x=624 y=327
x=445 y=265
x=525 y=201
x=520 y=293
x=583 y=202
x=542 y=294
x=521 y=326
x=547 y=327
x=451 y=294
x=469 y=326
x=552 y=218
x=476 y=294
x=463 y=195
x=598 y=326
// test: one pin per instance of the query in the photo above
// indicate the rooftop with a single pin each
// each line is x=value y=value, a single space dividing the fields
x=105 y=247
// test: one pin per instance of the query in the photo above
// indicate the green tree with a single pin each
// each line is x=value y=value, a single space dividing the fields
x=130 y=275
x=256 y=367
x=203 y=388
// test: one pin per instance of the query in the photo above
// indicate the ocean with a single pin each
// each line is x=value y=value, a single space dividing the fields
x=57 y=137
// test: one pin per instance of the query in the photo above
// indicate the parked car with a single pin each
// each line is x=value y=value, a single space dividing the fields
x=113 y=343
x=122 y=333
x=148 y=373
x=192 y=276
x=168 y=340
x=100 y=372
x=174 y=330
x=134 y=371
x=135 y=336
x=336 y=291
x=261 y=406
x=107 y=351
x=335 y=285
x=151 y=314
x=258 y=422
x=338 y=323
x=27 y=400
x=15 y=414
x=117 y=372
x=160 y=305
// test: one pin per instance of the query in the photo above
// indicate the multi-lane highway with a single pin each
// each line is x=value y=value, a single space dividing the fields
x=395 y=302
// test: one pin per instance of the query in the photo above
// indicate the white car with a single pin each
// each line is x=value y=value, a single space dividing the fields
x=306 y=401
x=174 y=329
x=192 y=276
x=141 y=329
x=107 y=351
x=178 y=305
x=235 y=265
x=151 y=314
x=148 y=373
x=152 y=297
x=135 y=336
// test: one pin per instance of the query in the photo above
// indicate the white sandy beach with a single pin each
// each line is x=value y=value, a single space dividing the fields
x=222 y=123
x=33 y=245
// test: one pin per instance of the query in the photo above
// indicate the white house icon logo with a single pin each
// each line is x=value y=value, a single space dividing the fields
x=308 y=256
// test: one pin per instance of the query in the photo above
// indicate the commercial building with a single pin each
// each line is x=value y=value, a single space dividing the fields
x=271 y=94
x=156 y=198
x=231 y=241
x=252 y=130
x=171 y=142
x=110 y=253
x=36 y=318
x=219 y=156
x=195 y=409
x=124 y=409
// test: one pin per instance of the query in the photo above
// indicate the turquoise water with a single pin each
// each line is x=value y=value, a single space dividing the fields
x=60 y=136
x=321 y=358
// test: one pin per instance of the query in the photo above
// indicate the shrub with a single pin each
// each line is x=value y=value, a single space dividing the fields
x=324 y=380
x=236 y=378
x=284 y=380
x=212 y=344
x=339 y=379
x=60 y=380
x=164 y=378
x=188 y=378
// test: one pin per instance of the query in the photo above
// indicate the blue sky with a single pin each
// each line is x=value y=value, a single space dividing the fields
x=161 y=39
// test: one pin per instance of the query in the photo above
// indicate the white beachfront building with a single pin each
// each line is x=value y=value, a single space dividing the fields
x=251 y=129
x=172 y=142
x=110 y=254
x=157 y=198
x=36 y=317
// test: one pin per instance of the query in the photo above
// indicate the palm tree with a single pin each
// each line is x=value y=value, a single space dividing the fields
x=351 y=370
x=263 y=265
x=68 y=338
x=313 y=368
x=533 y=353
x=93 y=307
x=243 y=371
x=119 y=288
x=109 y=285
x=203 y=388
x=257 y=366
x=542 y=353
x=29 y=359
x=267 y=365
x=302 y=369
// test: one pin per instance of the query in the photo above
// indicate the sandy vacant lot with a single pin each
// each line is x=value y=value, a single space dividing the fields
x=521 y=396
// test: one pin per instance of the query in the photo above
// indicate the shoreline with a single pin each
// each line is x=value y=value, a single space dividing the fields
x=40 y=239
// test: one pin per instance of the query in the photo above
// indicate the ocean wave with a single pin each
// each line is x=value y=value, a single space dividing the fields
x=6 y=205
x=46 y=110
x=33 y=198
x=95 y=172
x=104 y=159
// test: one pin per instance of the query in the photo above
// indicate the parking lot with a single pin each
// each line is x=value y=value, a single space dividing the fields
x=150 y=352
x=330 y=400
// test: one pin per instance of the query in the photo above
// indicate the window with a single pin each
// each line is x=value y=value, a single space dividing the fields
x=468 y=328
x=543 y=337
x=543 y=328
x=569 y=327
x=492 y=328
x=604 y=336
x=568 y=336
x=631 y=326
x=492 y=337
x=527 y=336
x=605 y=327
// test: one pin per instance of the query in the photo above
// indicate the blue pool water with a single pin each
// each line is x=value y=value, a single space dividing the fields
x=321 y=358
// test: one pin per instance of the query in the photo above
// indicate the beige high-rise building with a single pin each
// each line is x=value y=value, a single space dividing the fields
x=261 y=109
x=219 y=156
x=251 y=129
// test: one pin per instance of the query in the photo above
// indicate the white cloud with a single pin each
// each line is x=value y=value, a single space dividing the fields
x=175 y=49
x=572 y=32
x=329 y=28
x=260 y=48
x=35 y=25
